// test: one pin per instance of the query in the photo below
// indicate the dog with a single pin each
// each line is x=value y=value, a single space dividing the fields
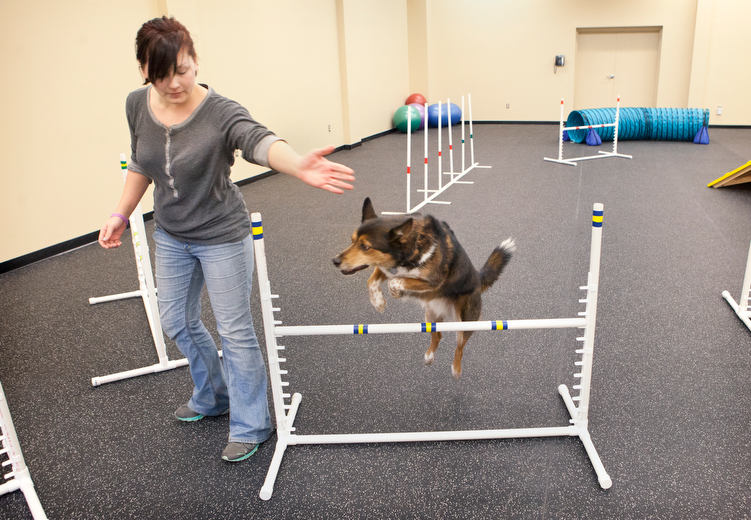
x=420 y=257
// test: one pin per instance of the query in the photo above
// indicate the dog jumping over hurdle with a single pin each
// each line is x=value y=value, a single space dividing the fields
x=421 y=258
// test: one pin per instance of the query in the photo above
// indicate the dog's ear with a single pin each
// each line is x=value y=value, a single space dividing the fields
x=399 y=232
x=367 y=210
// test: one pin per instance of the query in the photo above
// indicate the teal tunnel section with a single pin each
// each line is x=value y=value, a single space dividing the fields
x=656 y=124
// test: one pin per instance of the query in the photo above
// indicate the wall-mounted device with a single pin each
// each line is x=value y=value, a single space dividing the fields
x=560 y=61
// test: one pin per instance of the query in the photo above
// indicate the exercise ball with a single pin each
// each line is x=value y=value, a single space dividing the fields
x=405 y=113
x=420 y=108
x=416 y=98
x=456 y=114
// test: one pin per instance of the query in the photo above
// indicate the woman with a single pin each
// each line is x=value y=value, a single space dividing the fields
x=183 y=138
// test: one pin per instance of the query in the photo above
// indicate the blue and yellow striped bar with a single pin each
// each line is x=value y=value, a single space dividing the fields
x=494 y=325
x=123 y=165
x=257 y=230
x=361 y=329
x=428 y=327
x=444 y=326
x=597 y=218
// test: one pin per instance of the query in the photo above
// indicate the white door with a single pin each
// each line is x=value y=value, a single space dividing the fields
x=612 y=63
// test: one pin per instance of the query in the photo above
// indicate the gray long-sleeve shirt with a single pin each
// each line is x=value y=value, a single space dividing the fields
x=194 y=199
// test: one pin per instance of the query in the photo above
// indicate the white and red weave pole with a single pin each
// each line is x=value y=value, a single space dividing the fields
x=426 y=154
x=471 y=133
x=430 y=195
x=451 y=143
x=463 y=170
x=409 y=157
x=440 y=160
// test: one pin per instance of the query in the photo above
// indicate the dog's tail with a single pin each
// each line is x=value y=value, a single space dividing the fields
x=496 y=262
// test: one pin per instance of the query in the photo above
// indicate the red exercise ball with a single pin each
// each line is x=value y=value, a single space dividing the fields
x=416 y=98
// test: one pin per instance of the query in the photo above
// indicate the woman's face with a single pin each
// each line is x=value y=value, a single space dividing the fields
x=176 y=88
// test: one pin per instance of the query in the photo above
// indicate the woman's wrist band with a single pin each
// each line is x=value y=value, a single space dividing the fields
x=118 y=215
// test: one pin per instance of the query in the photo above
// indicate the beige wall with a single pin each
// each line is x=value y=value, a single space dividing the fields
x=301 y=66
x=721 y=59
x=67 y=67
x=503 y=52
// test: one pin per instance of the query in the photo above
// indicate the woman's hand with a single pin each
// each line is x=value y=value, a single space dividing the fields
x=313 y=169
x=109 y=235
x=319 y=172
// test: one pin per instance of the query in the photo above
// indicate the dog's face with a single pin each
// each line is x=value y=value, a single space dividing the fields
x=375 y=243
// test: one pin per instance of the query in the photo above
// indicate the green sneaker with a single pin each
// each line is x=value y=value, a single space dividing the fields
x=183 y=413
x=237 y=451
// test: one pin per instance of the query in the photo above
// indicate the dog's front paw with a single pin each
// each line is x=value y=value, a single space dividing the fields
x=376 y=297
x=396 y=287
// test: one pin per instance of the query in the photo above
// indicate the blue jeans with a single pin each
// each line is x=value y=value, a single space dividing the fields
x=182 y=269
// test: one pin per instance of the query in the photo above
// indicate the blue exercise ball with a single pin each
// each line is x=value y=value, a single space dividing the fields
x=456 y=114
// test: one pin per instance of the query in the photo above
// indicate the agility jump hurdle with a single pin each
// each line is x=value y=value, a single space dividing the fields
x=147 y=292
x=602 y=155
x=285 y=413
x=742 y=307
x=18 y=478
x=429 y=195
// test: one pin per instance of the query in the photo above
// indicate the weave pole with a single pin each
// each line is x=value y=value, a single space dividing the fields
x=451 y=146
x=430 y=195
x=602 y=155
x=18 y=478
x=472 y=137
x=147 y=292
x=577 y=406
x=742 y=307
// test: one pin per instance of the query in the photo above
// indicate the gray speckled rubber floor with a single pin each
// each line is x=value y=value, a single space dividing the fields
x=671 y=390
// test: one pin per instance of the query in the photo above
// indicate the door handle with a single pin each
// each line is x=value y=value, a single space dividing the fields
x=611 y=77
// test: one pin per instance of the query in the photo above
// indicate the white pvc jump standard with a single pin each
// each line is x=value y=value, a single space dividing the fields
x=742 y=307
x=18 y=478
x=455 y=177
x=147 y=292
x=602 y=155
x=285 y=413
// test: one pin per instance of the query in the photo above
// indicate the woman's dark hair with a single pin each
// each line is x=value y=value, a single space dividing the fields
x=158 y=43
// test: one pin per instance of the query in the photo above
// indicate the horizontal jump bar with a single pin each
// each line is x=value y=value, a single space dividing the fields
x=355 y=438
x=588 y=126
x=448 y=326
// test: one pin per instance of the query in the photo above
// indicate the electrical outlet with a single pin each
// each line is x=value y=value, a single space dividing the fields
x=329 y=128
x=508 y=105
x=719 y=110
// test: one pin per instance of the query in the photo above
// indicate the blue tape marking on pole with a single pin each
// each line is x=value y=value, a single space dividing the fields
x=360 y=329
x=597 y=218
x=257 y=228
x=428 y=327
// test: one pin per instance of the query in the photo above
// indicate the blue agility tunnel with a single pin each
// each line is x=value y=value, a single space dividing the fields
x=656 y=124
